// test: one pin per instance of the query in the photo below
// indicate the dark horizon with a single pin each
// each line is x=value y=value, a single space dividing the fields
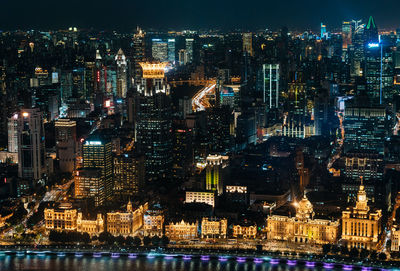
x=175 y=14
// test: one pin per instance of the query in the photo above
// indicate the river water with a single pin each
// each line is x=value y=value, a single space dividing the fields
x=165 y=263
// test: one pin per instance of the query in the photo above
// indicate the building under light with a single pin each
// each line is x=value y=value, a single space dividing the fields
x=97 y=153
x=271 y=85
x=303 y=228
x=361 y=226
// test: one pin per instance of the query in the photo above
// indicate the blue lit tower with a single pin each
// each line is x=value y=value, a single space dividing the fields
x=378 y=65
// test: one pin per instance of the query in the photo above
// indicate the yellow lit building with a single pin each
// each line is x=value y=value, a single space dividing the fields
x=244 y=231
x=213 y=227
x=126 y=223
x=90 y=183
x=215 y=163
x=182 y=230
x=153 y=222
x=395 y=239
x=200 y=197
x=361 y=227
x=92 y=227
x=302 y=228
x=60 y=219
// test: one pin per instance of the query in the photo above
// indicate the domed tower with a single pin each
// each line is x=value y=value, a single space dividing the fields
x=304 y=209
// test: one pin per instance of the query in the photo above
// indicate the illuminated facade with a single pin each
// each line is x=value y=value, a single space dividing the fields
x=122 y=77
x=60 y=219
x=154 y=222
x=361 y=227
x=159 y=50
x=182 y=230
x=66 y=144
x=129 y=174
x=213 y=173
x=395 y=237
x=97 y=154
x=92 y=227
x=248 y=43
x=189 y=49
x=13 y=133
x=244 y=231
x=303 y=228
x=90 y=183
x=214 y=227
x=200 y=197
x=271 y=85
x=126 y=223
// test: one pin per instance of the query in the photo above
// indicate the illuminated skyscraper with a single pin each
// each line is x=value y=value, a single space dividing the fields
x=324 y=34
x=31 y=144
x=346 y=34
x=138 y=52
x=271 y=85
x=13 y=133
x=357 y=49
x=213 y=173
x=159 y=50
x=153 y=128
x=90 y=184
x=189 y=49
x=378 y=68
x=248 y=43
x=129 y=174
x=171 y=50
x=346 y=38
x=183 y=57
x=122 y=79
x=97 y=154
x=66 y=144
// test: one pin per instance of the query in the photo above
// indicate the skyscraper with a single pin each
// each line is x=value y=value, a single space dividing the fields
x=271 y=85
x=159 y=50
x=122 y=79
x=346 y=38
x=31 y=144
x=66 y=144
x=323 y=31
x=138 y=52
x=13 y=133
x=189 y=49
x=129 y=174
x=90 y=184
x=213 y=173
x=153 y=128
x=171 y=50
x=97 y=154
x=248 y=43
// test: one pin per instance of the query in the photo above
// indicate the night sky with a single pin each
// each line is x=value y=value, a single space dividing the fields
x=248 y=14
